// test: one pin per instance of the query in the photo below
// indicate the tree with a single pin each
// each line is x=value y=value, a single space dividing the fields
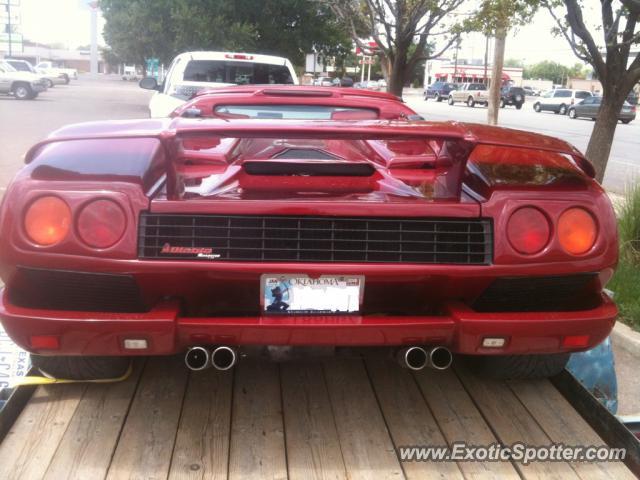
x=618 y=27
x=395 y=26
x=548 y=70
x=495 y=18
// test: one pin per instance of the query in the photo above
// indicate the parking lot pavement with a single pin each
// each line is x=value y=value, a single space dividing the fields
x=624 y=164
x=24 y=122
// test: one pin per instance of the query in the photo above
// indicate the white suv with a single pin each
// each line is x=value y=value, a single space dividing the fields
x=191 y=72
x=559 y=100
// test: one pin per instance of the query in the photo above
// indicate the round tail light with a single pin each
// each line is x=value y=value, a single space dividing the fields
x=577 y=231
x=101 y=223
x=528 y=230
x=47 y=221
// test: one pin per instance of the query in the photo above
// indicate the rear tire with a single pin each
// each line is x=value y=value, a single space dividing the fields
x=438 y=97
x=23 y=91
x=49 y=83
x=625 y=121
x=572 y=113
x=502 y=104
x=471 y=102
x=66 y=78
x=450 y=100
x=563 y=109
x=513 y=367
x=518 y=106
x=81 y=368
x=537 y=107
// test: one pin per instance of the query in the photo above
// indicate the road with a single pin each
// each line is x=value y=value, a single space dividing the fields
x=22 y=123
x=624 y=164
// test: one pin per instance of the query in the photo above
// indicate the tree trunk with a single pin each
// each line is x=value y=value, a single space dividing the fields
x=496 y=77
x=603 y=131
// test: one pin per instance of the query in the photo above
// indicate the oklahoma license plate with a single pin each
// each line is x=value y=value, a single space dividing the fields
x=301 y=294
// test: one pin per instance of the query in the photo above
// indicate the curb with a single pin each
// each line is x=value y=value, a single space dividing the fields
x=623 y=336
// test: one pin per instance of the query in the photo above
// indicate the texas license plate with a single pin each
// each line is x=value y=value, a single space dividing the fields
x=303 y=295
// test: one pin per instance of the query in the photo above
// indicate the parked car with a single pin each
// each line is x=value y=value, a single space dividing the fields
x=22 y=85
x=200 y=237
x=590 y=106
x=512 y=96
x=559 y=100
x=23 y=66
x=531 y=92
x=382 y=85
x=372 y=85
x=47 y=68
x=632 y=98
x=342 y=82
x=129 y=73
x=469 y=93
x=323 y=82
x=191 y=72
x=439 y=90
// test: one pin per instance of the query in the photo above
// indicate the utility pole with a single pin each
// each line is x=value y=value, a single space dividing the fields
x=9 y=25
x=455 y=66
x=94 y=38
x=486 y=59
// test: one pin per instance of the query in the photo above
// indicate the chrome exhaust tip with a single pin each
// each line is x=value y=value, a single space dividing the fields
x=223 y=358
x=440 y=358
x=197 y=358
x=413 y=358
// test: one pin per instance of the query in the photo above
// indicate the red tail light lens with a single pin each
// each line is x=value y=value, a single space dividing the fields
x=528 y=230
x=577 y=231
x=101 y=223
x=47 y=221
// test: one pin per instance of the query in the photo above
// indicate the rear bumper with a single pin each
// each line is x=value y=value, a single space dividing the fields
x=166 y=332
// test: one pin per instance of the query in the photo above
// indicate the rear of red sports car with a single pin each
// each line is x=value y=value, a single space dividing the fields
x=298 y=222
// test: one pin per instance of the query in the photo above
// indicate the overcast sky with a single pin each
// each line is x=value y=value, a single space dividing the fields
x=67 y=22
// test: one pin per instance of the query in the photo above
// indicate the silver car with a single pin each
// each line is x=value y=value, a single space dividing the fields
x=590 y=107
x=24 y=66
x=22 y=85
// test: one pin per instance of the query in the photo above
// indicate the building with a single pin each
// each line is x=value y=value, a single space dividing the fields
x=78 y=59
x=463 y=71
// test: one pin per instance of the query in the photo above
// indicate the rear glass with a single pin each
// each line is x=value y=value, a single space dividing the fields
x=582 y=94
x=563 y=93
x=241 y=73
x=295 y=112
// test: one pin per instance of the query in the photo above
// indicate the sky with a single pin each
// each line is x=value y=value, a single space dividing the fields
x=67 y=22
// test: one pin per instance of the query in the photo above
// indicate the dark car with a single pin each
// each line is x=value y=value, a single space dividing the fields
x=590 y=107
x=439 y=90
x=342 y=82
x=512 y=96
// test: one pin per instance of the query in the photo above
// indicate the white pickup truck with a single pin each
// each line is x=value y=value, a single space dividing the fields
x=470 y=93
x=47 y=68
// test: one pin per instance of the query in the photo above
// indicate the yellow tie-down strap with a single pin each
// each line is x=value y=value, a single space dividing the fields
x=35 y=380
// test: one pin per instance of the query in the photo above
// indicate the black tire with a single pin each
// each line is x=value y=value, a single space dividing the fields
x=512 y=367
x=425 y=96
x=518 y=106
x=572 y=113
x=471 y=102
x=563 y=109
x=537 y=107
x=81 y=368
x=66 y=79
x=22 y=91
x=502 y=103
x=626 y=122
x=450 y=100
x=49 y=83
x=438 y=97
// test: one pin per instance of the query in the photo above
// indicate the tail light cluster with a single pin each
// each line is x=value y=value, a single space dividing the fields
x=99 y=223
x=529 y=231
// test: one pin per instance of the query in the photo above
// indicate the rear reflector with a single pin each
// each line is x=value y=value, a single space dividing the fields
x=135 y=344
x=494 y=342
x=45 y=342
x=575 y=341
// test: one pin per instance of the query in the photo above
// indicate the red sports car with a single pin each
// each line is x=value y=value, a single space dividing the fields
x=301 y=216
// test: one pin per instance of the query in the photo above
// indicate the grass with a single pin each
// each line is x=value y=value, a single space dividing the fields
x=626 y=281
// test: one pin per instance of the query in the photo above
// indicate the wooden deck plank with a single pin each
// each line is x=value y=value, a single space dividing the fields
x=460 y=420
x=31 y=443
x=202 y=443
x=88 y=444
x=147 y=439
x=313 y=447
x=513 y=423
x=257 y=447
x=367 y=449
x=564 y=425
x=408 y=418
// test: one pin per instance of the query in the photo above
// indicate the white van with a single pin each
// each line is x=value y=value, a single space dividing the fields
x=191 y=72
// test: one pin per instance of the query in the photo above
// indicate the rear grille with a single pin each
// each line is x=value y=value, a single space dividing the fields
x=76 y=291
x=539 y=294
x=315 y=239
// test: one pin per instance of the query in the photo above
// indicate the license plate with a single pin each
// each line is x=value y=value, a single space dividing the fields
x=303 y=295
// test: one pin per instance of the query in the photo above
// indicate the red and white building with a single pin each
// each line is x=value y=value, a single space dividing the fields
x=446 y=70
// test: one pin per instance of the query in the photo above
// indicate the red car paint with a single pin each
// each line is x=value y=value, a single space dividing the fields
x=207 y=166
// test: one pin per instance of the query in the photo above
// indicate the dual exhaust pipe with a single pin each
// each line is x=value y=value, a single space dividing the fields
x=416 y=358
x=220 y=358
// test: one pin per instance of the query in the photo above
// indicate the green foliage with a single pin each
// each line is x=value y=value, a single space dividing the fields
x=496 y=15
x=629 y=226
x=553 y=71
x=513 y=62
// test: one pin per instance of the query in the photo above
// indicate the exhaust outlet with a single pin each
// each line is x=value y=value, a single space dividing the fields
x=439 y=358
x=413 y=358
x=197 y=358
x=223 y=358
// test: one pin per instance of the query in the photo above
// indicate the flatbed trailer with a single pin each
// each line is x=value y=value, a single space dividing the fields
x=338 y=418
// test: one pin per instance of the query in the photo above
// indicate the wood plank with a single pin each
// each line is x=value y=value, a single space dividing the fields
x=460 y=420
x=88 y=444
x=148 y=435
x=408 y=418
x=564 y=425
x=367 y=449
x=257 y=447
x=512 y=423
x=313 y=447
x=31 y=443
x=202 y=442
